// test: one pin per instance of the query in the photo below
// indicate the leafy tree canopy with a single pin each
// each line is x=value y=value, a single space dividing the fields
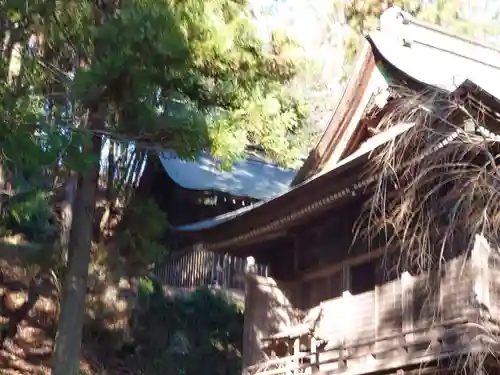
x=164 y=74
x=185 y=75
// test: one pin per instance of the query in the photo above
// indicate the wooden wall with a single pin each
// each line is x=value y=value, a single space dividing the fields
x=375 y=326
x=364 y=297
x=205 y=268
x=268 y=309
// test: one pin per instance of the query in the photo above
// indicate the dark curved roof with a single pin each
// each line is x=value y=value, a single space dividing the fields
x=251 y=177
x=335 y=181
x=417 y=54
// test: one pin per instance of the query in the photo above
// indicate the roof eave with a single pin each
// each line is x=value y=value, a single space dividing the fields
x=341 y=117
x=316 y=195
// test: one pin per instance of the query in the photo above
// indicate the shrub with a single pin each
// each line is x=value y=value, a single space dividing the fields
x=193 y=334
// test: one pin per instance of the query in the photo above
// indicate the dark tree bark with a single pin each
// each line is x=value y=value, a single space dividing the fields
x=69 y=332
x=67 y=217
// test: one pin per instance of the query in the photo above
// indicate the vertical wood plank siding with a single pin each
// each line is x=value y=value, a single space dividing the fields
x=205 y=268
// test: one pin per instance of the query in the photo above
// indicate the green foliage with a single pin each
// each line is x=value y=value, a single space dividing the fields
x=192 y=75
x=34 y=141
x=185 y=75
x=172 y=334
x=33 y=217
x=141 y=237
x=29 y=212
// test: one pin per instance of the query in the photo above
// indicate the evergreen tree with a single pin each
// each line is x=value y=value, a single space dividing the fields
x=183 y=75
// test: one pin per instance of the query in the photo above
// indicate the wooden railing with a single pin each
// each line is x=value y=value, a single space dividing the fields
x=349 y=358
x=205 y=268
x=398 y=322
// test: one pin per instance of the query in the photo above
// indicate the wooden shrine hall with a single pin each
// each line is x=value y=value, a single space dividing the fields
x=383 y=252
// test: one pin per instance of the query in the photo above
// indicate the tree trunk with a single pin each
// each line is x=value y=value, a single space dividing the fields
x=104 y=215
x=69 y=333
x=67 y=217
x=110 y=183
x=142 y=191
x=3 y=184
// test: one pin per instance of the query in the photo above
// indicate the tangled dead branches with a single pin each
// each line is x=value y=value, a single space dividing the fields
x=437 y=186
x=438 y=183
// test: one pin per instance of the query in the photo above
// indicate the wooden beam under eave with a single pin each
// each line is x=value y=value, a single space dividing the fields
x=337 y=267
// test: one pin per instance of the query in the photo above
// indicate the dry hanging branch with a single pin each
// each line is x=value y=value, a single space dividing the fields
x=438 y=185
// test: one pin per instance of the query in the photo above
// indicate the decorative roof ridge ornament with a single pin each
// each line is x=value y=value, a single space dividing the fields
x=392 y=23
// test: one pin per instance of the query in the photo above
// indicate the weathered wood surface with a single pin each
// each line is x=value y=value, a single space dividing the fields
x=205 y=268
x=396 y=321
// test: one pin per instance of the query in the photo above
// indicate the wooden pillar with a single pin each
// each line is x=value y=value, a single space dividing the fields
x=347 y=318
x=314 y=355
x=291 y=364
x=298 y=297
x=376 y=317
x=480 y=269
x=247 y=328
x=296 y=352
x=407 y=282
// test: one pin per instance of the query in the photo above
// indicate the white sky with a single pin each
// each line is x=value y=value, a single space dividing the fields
x=301 y=17
x=304 y=20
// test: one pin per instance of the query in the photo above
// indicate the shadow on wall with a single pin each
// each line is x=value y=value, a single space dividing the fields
x=268 y=309
x=373 y=327
x=407 y=312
